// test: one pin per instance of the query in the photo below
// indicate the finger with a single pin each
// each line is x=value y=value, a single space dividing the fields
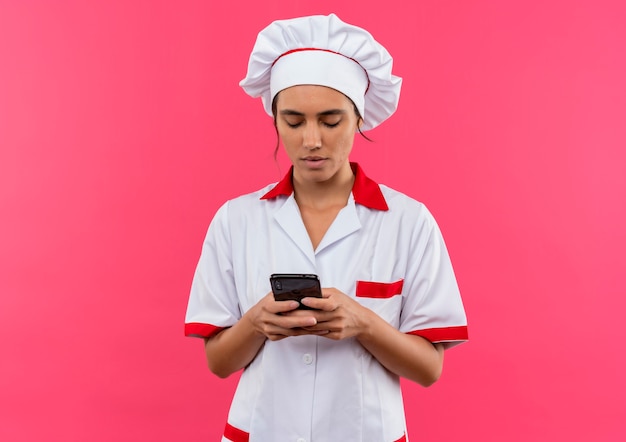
x=324 y=304
x=327 y=292
x=283 y=306
x=269 y=304
x=307 y=331
x=312 y=331
x=295 y=321
x=299 y=313
x=276 y=337
x=276 y=332
x=335 y=336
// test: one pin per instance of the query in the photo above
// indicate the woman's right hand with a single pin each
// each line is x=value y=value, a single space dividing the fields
x=267 y=318
x=235 y=347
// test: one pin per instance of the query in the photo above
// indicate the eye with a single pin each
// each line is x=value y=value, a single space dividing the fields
x=331 y=123
x=293 y=123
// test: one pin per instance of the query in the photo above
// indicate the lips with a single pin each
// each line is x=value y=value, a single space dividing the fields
x=314 y=162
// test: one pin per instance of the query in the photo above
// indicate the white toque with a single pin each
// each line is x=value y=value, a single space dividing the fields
x=325 y=51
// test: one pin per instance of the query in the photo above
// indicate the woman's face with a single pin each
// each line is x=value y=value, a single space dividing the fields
x=316 y=125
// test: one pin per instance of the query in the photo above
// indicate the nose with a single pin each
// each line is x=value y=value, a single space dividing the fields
x=312 y=137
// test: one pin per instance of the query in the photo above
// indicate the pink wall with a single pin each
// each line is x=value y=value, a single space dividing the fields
x=122 y=128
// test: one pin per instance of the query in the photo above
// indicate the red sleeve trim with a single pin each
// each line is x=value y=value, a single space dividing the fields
x=198 y=330
x=235 y=434
x=402 y=439
x=443 y=334
x=371 y=289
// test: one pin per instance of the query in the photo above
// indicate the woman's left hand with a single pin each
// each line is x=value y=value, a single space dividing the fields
x=340 y=316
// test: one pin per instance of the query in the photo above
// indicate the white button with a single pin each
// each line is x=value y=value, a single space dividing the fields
x=301 y=439
x=307 y=359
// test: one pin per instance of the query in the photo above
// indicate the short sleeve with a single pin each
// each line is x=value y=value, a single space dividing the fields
x=432 y=306
x=213 y=303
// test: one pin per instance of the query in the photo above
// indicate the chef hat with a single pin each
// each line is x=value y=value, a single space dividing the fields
x=323 y=50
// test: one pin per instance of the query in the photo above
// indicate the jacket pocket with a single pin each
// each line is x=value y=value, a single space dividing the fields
x=382 y=290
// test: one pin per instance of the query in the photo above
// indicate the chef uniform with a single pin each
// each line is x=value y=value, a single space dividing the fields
x=384 y=249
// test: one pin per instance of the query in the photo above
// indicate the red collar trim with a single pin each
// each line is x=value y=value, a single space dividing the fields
x=366 y=191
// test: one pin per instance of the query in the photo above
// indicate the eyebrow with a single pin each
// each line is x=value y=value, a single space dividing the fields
x=320 y=114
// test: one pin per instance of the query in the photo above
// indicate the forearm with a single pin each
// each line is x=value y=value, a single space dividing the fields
x=233 y=348
x=408 y=356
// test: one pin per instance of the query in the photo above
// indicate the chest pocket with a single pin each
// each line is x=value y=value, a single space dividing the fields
x=383 y=298
x=380 y=290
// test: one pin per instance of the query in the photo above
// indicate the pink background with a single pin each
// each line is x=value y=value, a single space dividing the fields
x=122 y=129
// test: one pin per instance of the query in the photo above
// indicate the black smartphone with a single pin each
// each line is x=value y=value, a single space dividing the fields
x=295 y=286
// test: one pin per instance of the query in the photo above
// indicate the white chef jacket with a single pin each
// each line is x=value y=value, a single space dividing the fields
x=384 y=249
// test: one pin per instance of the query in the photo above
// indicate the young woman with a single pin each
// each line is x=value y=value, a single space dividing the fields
x=390 y=303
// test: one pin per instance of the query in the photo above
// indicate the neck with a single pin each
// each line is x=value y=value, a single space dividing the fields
x=322 y=194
